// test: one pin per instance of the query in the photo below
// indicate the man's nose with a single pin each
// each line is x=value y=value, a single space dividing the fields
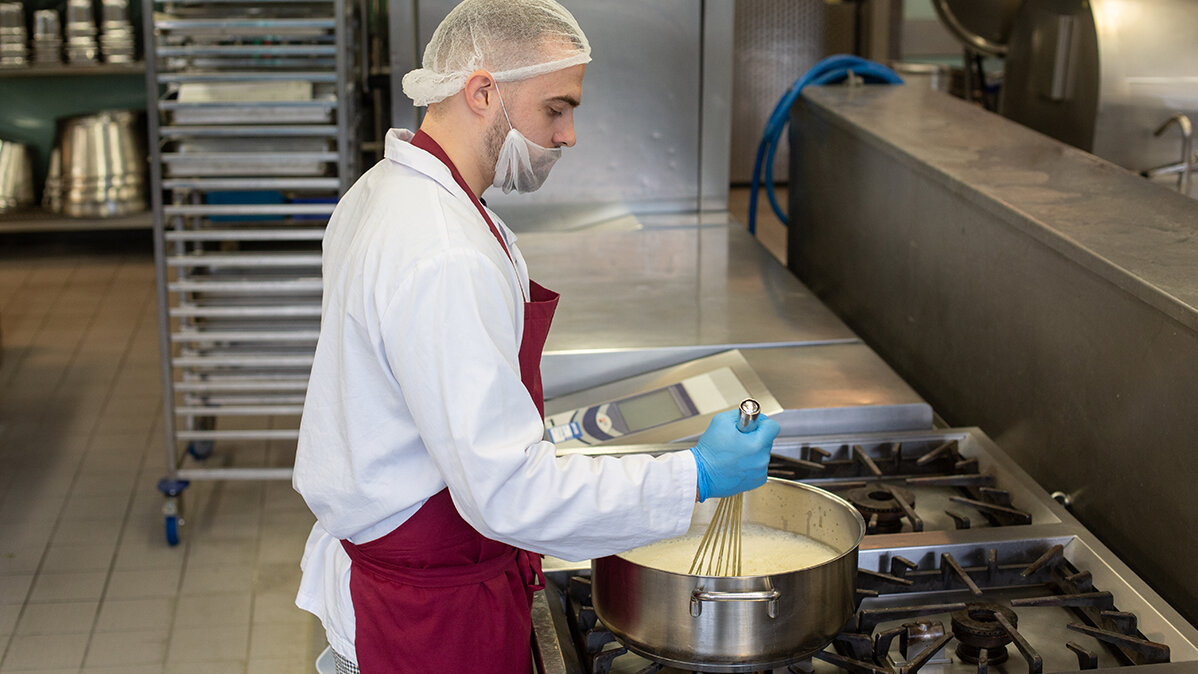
x=566 y=137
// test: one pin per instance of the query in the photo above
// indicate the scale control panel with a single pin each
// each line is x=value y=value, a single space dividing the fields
x=707 y=393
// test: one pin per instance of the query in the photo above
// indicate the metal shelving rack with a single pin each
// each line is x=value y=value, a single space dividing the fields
x=242 y=188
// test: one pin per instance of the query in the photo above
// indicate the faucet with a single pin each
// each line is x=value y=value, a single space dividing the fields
x=1186 y=166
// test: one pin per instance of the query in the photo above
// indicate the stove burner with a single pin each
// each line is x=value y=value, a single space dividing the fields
x=977 y=629
x=880 y=501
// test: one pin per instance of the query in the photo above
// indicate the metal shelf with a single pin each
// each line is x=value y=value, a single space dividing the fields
x=37 y=220
x=289 y=286
x=250 y=130
x=250 y=209
x=272 y=311
x=73 y=70
x=250 y=184
x=247 y=76
x=224 y=24
x=247 y=235
x=196 y=337
x=316 y=103
x=247 y=260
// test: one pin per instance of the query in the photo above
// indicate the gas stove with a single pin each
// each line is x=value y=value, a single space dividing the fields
x=915 y=481
x=968 y=566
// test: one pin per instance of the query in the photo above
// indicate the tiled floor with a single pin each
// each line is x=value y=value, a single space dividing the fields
x=87 y=581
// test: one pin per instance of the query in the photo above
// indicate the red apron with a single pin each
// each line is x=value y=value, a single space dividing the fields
x=434 y=595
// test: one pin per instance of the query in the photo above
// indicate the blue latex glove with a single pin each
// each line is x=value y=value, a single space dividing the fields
x=729 y=461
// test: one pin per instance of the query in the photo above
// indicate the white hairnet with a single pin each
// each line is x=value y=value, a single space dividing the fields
x=511 y=39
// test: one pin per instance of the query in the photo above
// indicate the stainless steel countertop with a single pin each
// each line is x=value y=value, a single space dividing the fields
x=1094 y=206
x=683 y=285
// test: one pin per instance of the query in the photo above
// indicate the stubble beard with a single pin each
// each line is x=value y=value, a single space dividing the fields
x=494 y=141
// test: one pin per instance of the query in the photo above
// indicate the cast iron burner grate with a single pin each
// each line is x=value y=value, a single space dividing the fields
x=984 y=627
x=875 y=479
x=981 y=630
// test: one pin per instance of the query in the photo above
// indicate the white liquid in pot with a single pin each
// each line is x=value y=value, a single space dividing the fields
x=764 y=551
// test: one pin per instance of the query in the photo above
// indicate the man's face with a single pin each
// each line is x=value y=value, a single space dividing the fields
x=542 y=107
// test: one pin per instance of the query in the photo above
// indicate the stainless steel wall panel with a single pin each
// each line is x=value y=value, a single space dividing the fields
x=639 y=126
x=776 y=42
x=715 y=122
x=1047 y=296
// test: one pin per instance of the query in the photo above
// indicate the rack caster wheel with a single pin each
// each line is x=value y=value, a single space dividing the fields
x=200 y=449
x=172 y=509
x=172 y=530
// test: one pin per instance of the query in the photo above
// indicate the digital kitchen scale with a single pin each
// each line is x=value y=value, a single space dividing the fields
x=660 y=406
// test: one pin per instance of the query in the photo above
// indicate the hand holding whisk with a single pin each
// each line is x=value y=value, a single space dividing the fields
x=719 y=549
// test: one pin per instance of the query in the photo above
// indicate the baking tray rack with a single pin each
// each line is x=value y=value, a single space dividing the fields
x=253 y=139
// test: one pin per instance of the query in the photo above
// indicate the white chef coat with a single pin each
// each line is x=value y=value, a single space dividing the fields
x=416 y=386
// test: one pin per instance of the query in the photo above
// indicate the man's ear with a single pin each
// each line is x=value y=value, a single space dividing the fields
x=480 y=93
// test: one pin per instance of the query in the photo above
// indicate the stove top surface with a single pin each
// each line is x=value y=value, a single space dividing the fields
x=984 y=573
x=913 y=482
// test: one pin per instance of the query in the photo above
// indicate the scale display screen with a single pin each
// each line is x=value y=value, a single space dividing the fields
x=641 y=411
x=649 y=410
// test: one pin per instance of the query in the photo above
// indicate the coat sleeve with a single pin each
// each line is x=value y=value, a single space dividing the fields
x=452 y=339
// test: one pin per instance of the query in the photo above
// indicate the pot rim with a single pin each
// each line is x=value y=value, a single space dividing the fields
x=787 y=484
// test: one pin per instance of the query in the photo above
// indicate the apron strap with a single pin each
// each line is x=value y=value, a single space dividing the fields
x=425 y=142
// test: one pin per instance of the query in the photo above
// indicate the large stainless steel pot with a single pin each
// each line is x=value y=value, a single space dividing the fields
x=982 y=25
x=103 y=164
x=16 y=176
x=742 y=623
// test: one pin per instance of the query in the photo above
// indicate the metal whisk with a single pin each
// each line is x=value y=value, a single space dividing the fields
x=719 y=549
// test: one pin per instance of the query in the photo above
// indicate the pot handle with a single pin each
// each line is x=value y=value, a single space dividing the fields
x=700 y=595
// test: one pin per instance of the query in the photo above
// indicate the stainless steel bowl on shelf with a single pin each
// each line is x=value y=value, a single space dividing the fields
x=103 y=171
x=739 y=623
x=52 y=190
x=16 y=176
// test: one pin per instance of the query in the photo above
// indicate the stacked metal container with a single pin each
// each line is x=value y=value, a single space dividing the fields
x=81 y=33
x=251 y=146
x=116 y=33
x=47 y=37
x=12 y=34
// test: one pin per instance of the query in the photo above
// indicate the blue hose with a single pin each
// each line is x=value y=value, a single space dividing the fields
x=828 y=71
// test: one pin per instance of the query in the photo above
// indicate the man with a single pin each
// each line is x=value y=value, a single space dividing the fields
x=421 y=448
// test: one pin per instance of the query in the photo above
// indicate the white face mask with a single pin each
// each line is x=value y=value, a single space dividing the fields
x=522 y=165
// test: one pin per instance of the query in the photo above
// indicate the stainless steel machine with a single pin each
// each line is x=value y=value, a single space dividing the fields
x=664 y=405
x=807 y=389
x=1107 y=76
